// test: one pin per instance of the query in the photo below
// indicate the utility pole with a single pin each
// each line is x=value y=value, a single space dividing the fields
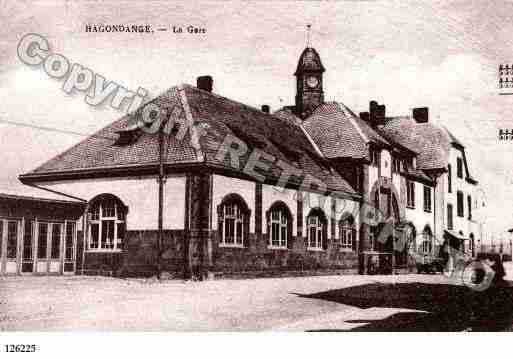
x=161 y=199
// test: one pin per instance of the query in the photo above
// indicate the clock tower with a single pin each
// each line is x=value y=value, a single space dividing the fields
x=309 y=92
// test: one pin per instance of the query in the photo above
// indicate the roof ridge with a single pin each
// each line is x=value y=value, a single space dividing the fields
x=310 y=139
x=356 y=126
x=195 y=137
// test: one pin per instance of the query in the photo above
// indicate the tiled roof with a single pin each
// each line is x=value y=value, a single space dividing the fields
x=309 y=61
x=287 y=115
x=418 y=174
x=339 y=133
x=215 y=117
x=277 y=135
x=432 y=143
x=17 y=197
x=100 y=149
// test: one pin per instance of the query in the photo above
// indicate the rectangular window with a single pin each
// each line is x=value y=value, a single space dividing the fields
x=95 y=231
x=283 y=242
x=427 y=199
x=42 y=240
x=459 y=167
x=121 y=235
x=449 y=217
x=313 y=237
x=229 y=230
x=346 y=237
x=56 y=241
x=449 y=178
x=70 y=237
x=27 y=240
x=107 y=241
x=469 y=205
x=239 y=232
x=12 y=239
x=410 y=194
x=459 y=204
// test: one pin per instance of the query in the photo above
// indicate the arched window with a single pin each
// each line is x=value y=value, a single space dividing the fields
x=317 y=230
x=426 y=246
x=233 y=225
x=279 y=225
x=107 y=223
x=347 y=233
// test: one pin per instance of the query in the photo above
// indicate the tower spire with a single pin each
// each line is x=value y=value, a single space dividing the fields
x=308 y=28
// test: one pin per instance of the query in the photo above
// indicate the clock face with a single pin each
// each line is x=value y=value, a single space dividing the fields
x=312 y=81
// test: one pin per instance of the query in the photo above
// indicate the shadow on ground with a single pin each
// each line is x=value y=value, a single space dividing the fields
x=445 y=307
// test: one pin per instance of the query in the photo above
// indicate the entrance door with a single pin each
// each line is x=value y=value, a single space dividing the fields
x=49 y=247
x=42 y=247
x=9 y=246
x=55 y=247
x=69 y=248
x=27 y=252
x=55 y=250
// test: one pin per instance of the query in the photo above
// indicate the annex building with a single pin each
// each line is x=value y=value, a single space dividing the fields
x=310 y=187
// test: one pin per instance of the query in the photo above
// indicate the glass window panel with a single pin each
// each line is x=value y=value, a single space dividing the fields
x=70 y=234
x=229 y=230
x=56 y=241
x=107 y=239
x=120 y=235
x=275 y=228
x=95 y=228
x=95 y=213
x=313 y=233
x=108 y=209
x=28 y=240
x=12 y=239
x=1 y=236
x=120 y=211
x=239 y=232
x=42 y=239
x=284 y=236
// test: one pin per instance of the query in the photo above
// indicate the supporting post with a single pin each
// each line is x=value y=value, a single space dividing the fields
x=161 y=202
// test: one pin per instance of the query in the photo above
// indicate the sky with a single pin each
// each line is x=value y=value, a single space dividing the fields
x=440 y=54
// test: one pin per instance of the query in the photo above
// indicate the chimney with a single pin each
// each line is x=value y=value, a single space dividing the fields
x=365 y=116
x=266 y=108
x=205 y=83
x=376 y=113
x=421 y=114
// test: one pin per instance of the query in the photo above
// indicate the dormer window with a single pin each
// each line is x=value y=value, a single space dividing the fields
x=128 y=135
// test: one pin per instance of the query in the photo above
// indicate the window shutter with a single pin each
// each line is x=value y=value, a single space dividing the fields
x=325 y=236
x=354 y=239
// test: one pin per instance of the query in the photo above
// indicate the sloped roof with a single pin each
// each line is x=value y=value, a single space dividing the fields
x=431 y=142
x=339 y=133
x=100 y=149
x=309 y=61
x=212 y=118
x=278 y=136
